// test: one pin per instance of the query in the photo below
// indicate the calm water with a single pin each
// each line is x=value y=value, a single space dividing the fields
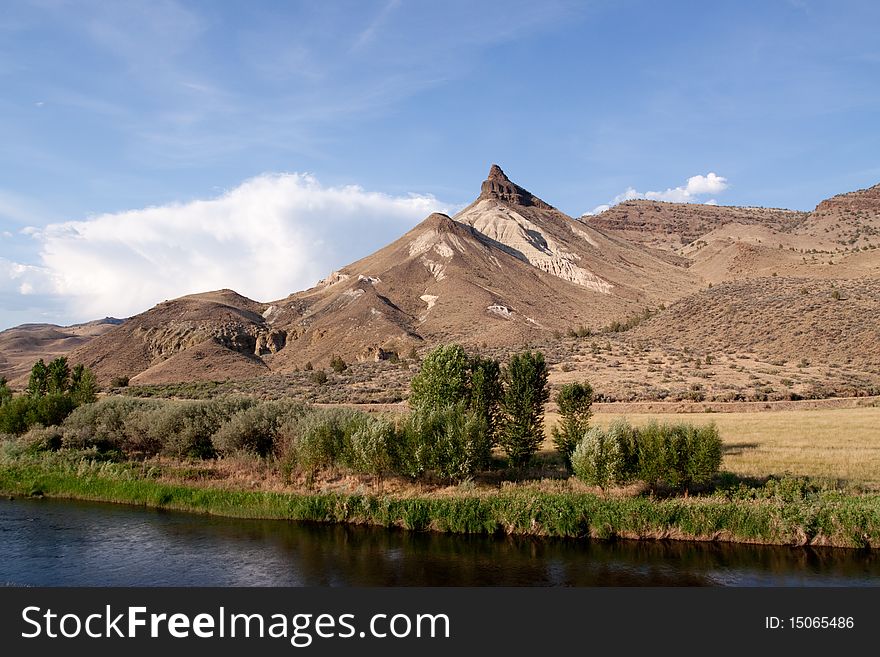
x=57 y=543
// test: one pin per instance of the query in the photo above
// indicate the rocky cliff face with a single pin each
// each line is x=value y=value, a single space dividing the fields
x=499 y=187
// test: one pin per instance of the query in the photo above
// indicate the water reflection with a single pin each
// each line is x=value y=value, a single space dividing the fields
x=50 y=542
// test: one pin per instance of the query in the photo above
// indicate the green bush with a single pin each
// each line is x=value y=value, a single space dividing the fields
x=41 y=439
x=575 y=401
x=23 y=412
x=522 y=406
x=662 y=455
x=255 y=429
x=58 y=376
x=598 y=459
x=371 y=447
x=186 y=428
x=704 y=453
x=14 y=415
x=83 y=385
x=320 y=439
x=105 y=424
x=38 y=383
x=337 y=364
x=450 y=443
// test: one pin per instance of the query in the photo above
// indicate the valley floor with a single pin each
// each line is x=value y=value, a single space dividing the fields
x=788 y=478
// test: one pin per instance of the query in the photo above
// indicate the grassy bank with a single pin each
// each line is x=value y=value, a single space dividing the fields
x=786 y=513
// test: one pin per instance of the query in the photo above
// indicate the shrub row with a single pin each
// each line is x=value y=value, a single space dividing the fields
x=661 y=455
x=449 y=443
x=182 y=428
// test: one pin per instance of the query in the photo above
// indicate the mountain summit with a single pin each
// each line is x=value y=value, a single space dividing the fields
x=499 y=187
x=505 y=271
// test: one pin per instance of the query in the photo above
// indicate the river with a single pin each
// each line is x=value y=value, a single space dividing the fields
x=63 y=543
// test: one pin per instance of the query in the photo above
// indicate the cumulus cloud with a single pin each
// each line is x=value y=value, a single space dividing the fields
x=270 y=236
x=693 y=191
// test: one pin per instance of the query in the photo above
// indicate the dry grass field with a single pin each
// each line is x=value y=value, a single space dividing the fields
x=834 y=444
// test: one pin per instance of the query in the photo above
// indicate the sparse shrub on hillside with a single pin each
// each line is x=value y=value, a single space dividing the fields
x=119 y=382
x=318 y=377
x=575 y=402
x=522 y=406
x=337 y=364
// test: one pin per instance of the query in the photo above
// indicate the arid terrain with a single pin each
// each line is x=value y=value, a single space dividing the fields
x=649 y=301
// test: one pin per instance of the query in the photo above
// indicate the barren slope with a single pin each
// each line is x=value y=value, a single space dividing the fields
x=22 y=346
x=671 y=226
x=504 y=271
x=232 y=321
x=778 y=318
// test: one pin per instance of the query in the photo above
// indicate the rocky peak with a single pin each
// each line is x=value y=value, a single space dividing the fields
x=499 y=187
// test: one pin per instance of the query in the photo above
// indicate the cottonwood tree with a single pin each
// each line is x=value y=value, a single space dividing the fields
x=522 y=406
x=575 y=401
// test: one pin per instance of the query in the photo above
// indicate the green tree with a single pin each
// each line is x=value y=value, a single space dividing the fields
x=522 y=406
x=83 y=385
x=38 y=384
x=5 y=392
x=485 y=392
x=58 y=376
x=337 y=364
x=575 y=401
x=444 y=379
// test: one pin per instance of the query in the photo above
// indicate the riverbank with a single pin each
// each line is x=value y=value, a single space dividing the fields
x=785 y=513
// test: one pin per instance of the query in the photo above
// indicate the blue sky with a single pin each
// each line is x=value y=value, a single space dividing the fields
x=204 y=138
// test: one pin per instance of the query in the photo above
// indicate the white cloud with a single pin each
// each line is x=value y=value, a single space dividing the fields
x=695 y=187
x=272 y=235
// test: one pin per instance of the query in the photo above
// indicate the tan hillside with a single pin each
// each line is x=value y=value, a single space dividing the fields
x=851 y=221
x=207 y=361
x=232 y=321
x=504 y=271
x=830 y=321
x=671 y=226
x=22 y=346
